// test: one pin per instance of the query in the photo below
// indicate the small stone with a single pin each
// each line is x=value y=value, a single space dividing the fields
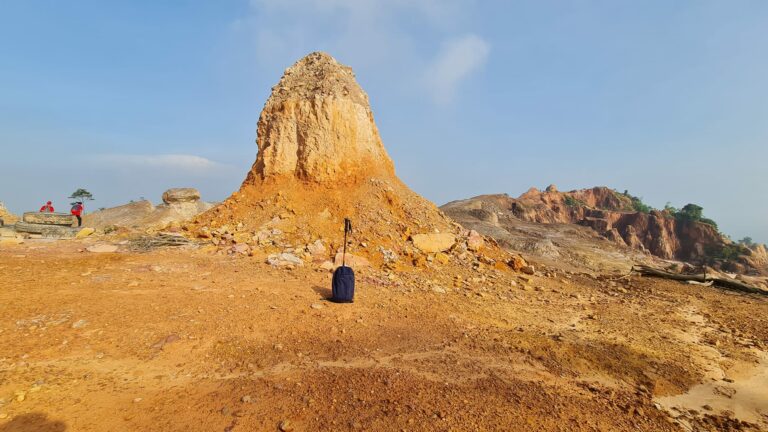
x=439 y=290
x=3 y=416
x=79 y=324
x=137 y=400
x=316 y=306
x=285 y=426
x=317 y=248
x=133 y=284
x=284 y=259
x=241 y=248
x=442 y=258
x=247 y=399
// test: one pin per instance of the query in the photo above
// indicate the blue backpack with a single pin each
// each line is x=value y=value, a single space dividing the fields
x=343 y=282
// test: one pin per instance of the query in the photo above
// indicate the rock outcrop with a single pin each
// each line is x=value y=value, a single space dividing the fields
x=6 y=217
x=179 y=205
x=317 y=125
x=612 y=216
x=46 y=218
x=320 y=159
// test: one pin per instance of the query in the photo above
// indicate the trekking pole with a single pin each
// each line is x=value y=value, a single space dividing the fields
x=347 y=228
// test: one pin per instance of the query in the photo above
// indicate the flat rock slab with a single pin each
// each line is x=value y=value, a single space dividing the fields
x=62 y=219
x=7 y=232
x=9 y=241
x=47 y=231
x=436 y=242
x=102 y=248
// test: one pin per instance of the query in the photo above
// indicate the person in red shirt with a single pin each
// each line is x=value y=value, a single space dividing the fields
x=77 y=211
x=47 y=208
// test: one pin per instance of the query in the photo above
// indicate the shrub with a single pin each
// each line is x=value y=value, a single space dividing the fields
x=637 y=203
x=573 y=202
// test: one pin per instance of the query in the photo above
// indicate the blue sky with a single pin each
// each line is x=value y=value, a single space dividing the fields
x=128 y=98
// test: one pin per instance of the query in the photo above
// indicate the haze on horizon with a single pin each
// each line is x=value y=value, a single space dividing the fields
x=664 y=99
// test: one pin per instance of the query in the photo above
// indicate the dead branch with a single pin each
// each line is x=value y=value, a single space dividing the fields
x=701 y=278
x=147 y=243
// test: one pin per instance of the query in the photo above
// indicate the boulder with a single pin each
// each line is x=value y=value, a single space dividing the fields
x=433 y=242
x=528 y=269
x=45 y=218
x=475 y=241
x=317 y=248
x=85 y=232
x=517 y=263
x=181 y=195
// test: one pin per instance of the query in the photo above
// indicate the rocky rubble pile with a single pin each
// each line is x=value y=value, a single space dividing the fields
x=320 y=160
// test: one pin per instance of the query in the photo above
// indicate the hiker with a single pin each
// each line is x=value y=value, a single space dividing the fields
x=77 y=211
x=47 y=208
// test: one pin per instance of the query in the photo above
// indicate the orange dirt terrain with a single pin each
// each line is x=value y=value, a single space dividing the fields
x=187 y=340
x=223 y=323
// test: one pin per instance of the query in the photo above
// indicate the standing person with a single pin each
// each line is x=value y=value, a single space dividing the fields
x=47 y=208
x=77 y=211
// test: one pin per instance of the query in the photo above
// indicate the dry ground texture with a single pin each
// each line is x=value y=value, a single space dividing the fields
x=184 y=340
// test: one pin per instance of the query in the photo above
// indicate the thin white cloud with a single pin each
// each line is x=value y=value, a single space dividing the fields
x=380 y=39
x=176 y=162
x=458 y=59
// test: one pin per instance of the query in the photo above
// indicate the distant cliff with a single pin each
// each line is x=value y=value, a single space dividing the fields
x=623 y=219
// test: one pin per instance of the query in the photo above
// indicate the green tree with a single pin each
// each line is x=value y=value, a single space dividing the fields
x=691 y=212
x=747 y=241
x=81 y=194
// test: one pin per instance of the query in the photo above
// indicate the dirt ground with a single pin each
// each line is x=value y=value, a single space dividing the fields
x=186 y=340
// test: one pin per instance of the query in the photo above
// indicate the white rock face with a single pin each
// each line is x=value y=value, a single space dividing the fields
x=318 y=126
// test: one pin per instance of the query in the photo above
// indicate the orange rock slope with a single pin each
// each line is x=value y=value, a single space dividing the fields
x=612 y=215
